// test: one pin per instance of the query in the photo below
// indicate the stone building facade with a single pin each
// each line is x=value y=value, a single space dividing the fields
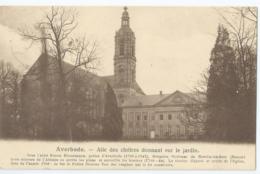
x=160 y=116
x=147 y=116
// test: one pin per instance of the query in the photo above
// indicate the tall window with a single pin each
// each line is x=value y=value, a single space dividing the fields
x=121 y=47
x=161 y=130
x=125 y=22
x=169 y=130
x=169 y=116
x=138 y=116
x=121 y=75
x=144 y=116
x=161 y=117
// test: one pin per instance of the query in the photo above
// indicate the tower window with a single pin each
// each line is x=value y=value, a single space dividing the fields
x=121 y=47
x=125 y=22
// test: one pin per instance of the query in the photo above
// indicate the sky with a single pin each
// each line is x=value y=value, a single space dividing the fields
x=173 y=44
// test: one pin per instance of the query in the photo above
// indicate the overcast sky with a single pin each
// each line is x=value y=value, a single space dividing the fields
x=173 y=45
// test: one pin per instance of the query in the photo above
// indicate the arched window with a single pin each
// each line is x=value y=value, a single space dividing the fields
x=121 y=47
x=121 y=70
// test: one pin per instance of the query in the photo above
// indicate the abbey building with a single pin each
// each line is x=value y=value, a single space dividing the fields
x=159 y=116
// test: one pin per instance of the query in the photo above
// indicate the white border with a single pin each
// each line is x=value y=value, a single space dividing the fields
x=134 y=2
x=142 y=3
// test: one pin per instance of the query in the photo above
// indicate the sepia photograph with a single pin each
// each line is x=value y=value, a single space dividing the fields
x=129 y=75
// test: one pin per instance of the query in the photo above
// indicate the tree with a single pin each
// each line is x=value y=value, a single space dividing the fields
x=9 y=106
x=222 y=88
x=194 y=117
x=242 y=25
x=113 y=123
x=56 y=30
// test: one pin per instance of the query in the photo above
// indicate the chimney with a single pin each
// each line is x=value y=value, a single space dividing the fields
x=161 y=93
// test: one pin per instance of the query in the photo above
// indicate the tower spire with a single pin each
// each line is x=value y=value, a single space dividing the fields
x=125 y=17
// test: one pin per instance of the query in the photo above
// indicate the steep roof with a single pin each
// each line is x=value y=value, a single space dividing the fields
x=159 y=99
x=95 y=79
x=67 y=67
x=145 y=100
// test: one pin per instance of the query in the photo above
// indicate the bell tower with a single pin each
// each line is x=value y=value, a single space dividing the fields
x=124 y=58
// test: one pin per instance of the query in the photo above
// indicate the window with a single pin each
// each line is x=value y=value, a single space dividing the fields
x=125 y=22
x=161 y=130
x=161 y=117
x=137 y=116
x=145 y=132
x=121 y=70
x=121 y=47
x=178 y=131
x=144 y=115
x=169 y=117
x=169 y=130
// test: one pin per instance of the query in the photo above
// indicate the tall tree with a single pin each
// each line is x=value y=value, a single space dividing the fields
x=242 y=25
x=58 y=25
x=113 y=123
x=222 y=88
